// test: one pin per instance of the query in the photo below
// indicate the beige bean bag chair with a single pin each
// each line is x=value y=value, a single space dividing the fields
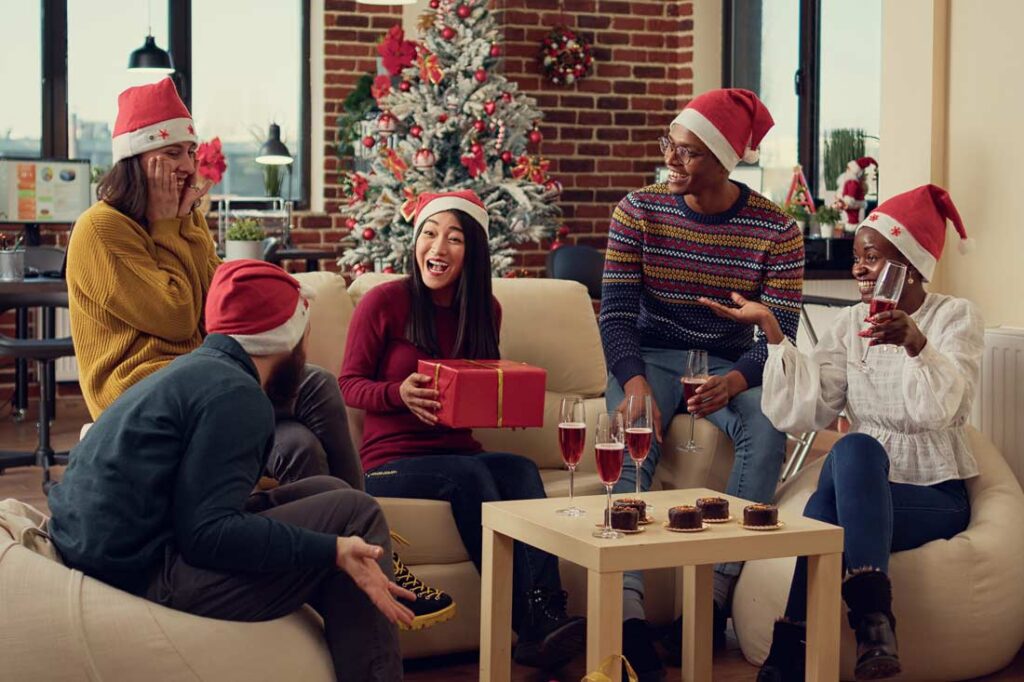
x=959 y=603
x=57 y=624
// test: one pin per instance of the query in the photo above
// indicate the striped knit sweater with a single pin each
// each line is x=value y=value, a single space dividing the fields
x=662 y=256
x=135 y=296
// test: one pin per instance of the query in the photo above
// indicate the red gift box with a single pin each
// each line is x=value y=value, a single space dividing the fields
x=487 y=393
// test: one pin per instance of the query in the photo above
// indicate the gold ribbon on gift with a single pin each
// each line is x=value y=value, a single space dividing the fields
x=501 y=387
x=602 y=672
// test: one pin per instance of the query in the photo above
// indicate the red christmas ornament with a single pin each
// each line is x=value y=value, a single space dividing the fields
x=563 y=232
x=441 y=118
x=557 y=245
x=536 y=136
x=350 y=223
x=463 y=11
x=368 y=141
x=506 y=156
x=388 y=270
x=490 y=107
x=480 y=75
x=448 y=33
x=415 y=131
x=495 y=50
x=405 y=86
x=553 y=185
x=434 y=4
x=480 y=125
x=424 y=158
x=506 y=97
x=387 y=123
x=369 y=234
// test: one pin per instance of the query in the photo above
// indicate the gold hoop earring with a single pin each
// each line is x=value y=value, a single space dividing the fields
x=910 y=279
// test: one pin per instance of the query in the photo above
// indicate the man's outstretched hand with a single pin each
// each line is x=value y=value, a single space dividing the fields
x=359 y=560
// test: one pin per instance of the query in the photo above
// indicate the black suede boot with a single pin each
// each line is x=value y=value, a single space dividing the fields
x=785 y=662
x=638 y=648
x=548 y=637
x=868 y=594
x=671 y=639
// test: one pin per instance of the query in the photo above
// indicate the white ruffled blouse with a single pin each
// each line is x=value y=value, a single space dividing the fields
x=915 y=407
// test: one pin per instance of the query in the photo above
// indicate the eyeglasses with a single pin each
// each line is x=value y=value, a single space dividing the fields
x=682 y=154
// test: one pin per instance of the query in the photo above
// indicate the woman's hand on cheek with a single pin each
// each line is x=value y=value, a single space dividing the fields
x=195 y=188
x=161 y=189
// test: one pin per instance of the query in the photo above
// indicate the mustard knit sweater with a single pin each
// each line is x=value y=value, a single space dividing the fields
x=135 y=296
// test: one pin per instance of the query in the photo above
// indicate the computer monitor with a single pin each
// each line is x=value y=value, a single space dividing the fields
x=42 y=191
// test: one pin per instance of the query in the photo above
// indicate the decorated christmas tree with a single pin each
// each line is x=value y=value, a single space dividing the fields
x=448 y=121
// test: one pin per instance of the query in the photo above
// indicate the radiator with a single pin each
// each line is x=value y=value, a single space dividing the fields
x=999 y=406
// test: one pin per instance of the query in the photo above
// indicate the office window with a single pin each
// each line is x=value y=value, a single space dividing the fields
x=816 y=64
x=247 y=71
x=21 y=118
x=101 y=36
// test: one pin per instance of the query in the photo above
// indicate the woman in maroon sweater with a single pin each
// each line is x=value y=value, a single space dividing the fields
x=445 y=309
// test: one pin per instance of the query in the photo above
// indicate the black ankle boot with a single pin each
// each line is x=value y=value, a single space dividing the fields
x=868 y=594
x=548 y=637
x=785 y=662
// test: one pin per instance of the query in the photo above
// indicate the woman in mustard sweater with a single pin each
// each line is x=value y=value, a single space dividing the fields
x=140 y=262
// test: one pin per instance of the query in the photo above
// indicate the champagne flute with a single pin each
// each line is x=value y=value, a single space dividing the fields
x=639 y=431
x=695 y=375
x=572 y=434
x=885 y=297
x=609 y=449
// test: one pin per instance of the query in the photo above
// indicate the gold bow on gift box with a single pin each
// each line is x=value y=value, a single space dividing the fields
x=602 y=675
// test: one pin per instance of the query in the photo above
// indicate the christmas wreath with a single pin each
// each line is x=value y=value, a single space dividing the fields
x=565 y=56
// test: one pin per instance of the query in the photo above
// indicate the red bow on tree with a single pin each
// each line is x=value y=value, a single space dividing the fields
x=359 y=186
x=475 y=162
x=408 y=209
x=395 y=51
x=396 y=164
x=534 y=170
x=381 y=87
x=429 y=68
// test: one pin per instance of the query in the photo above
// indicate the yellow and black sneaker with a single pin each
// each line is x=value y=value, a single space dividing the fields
x=432 y=606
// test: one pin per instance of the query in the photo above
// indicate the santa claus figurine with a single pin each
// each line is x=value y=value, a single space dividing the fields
x=853 y=187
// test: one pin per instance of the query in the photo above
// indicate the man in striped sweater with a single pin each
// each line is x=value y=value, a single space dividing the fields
x=672 y=247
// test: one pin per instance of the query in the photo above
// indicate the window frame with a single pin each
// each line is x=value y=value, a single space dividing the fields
x=54 y=89
x=806 y=81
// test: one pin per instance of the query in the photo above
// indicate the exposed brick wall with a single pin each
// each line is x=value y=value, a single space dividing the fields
x=601 y=134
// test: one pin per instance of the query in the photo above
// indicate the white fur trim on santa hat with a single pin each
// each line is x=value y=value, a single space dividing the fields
x=966 y=246
x=699 y=125
x=900 y=237
x=453 y=203
x=281 y=339
x=153 y=137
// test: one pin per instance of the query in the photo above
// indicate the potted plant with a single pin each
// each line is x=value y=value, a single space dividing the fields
x=799 y=214
x=244 y=239
x=96 y=174
x=827 y=218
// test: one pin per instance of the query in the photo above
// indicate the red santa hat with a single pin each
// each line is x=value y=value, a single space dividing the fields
x=731 y=122
x=149 y=117
x=857 y=166
x=466 y=200
x=915 y=223
x=259 y=305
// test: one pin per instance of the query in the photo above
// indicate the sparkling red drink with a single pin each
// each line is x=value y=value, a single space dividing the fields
x=571 y=436
x=638 y=440
x=609 y=462
x=881 y=305
x=690 y=386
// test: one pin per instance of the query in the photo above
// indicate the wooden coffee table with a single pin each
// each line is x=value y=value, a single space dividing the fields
x=535 y=523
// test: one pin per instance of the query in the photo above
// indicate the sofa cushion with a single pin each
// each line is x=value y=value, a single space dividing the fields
x=329 y=314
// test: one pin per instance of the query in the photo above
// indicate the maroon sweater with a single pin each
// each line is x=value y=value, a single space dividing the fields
x=378 y=358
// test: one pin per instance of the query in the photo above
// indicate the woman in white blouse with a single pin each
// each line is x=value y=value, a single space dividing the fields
x=896 y=481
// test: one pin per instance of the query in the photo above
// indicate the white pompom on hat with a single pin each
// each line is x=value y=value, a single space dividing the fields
x=730 y=121
x=915 y=223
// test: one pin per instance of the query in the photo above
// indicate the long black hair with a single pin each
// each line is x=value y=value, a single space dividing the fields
x=477 y=337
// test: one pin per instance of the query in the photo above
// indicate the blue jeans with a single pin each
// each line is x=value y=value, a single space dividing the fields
x=759 y=447
x=878 y=517
x=466 y=482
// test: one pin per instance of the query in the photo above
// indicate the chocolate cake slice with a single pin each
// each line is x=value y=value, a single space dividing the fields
x=761 y=515
x=714 y=508
x=685 y=517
